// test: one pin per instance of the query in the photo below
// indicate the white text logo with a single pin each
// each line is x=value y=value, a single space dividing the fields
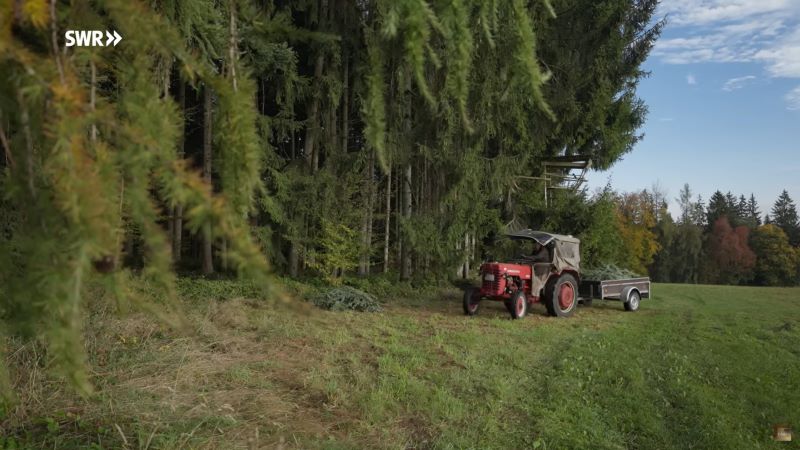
x=91 y=38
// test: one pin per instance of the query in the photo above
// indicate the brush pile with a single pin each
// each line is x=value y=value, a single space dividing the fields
x=607 y=272
x=346 y=298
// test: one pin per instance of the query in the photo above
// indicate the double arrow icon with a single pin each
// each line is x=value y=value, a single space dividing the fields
x=112 y=37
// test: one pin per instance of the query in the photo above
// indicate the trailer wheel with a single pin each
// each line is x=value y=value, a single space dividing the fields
x=517 y=305
x=562 y=297
x=471 y=301
x=632 y=298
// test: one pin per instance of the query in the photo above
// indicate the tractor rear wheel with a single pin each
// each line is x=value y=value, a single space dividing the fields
x=562 y=296
x=517 y=305
x=471 y=301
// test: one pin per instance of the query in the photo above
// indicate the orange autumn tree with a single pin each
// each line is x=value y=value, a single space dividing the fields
x=636 y=218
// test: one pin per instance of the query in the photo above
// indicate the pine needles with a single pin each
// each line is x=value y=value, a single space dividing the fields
x=346 y=298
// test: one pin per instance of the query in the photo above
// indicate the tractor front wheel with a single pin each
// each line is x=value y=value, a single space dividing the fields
x=471 y=301
x=517 y=305
x=562 y=296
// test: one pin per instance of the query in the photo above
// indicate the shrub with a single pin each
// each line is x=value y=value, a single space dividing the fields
x=339 y=251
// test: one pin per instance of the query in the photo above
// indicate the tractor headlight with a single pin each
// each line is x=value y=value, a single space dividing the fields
x=488 y=277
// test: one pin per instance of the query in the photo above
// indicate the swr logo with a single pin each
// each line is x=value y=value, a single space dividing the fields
x=91 y=38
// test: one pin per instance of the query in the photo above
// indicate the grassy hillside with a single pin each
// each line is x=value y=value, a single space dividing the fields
x=697 y=366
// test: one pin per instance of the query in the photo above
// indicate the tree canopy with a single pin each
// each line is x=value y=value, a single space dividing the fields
x=777 y=261
x=323 y=136
x=784 y=215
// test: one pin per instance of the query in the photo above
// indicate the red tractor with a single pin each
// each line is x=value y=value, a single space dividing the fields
x=552 y=277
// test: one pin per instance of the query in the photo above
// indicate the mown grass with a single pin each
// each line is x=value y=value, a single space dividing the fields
x=696 y=367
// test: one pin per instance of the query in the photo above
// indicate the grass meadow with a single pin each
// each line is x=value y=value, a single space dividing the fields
x=695 y=367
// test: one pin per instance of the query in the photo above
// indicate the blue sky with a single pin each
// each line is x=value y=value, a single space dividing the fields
x=724 y=101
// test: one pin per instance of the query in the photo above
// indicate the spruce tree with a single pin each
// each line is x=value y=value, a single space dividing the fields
x=718 y=206
x=753 y=214
x=784 y=215
x=741 y=210
x=685 y=204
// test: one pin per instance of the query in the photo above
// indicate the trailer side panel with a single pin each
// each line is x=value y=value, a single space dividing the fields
x=611 y=289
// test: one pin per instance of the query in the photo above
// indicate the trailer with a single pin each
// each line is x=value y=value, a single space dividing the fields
x=629 y=291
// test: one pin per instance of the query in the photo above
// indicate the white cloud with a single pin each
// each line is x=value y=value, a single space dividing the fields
x=691 y=80
x=737 y=83
x=702 y=12
x=783 y=58
x=766 y=32
x=738 y=42
x=793 y=99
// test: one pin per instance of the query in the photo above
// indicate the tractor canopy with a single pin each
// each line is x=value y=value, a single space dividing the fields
x=564 y=249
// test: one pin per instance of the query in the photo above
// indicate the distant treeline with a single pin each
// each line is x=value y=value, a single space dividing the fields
x=727 y=241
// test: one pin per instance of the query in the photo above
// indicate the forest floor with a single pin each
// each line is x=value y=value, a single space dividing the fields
x=695 y=367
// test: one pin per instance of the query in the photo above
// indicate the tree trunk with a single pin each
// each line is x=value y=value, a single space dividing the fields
x=370 y=208
x=208 y=256
x=472 y=240
x=362 y=265
x=398 y=210
x=312 y=125
x=333 y=126
x=54 y=40
x=224 y=251
x=232 y=50
x=165 y=83
x=293 y=146
x=405 y=270
x=309 y=149
x=177 y=215
x=366 y=225
x=465 y=268
x=6 y=146
x=363 y=260
x=93 y=98
x=29 y=148
x=387 y=220
x=345 y=104
x=233 y=53
x=294 y=260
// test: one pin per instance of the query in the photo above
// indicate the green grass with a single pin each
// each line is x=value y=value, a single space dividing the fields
x=696 y=367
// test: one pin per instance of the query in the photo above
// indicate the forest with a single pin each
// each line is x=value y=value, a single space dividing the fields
x=728 y=241
x=329 y=139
